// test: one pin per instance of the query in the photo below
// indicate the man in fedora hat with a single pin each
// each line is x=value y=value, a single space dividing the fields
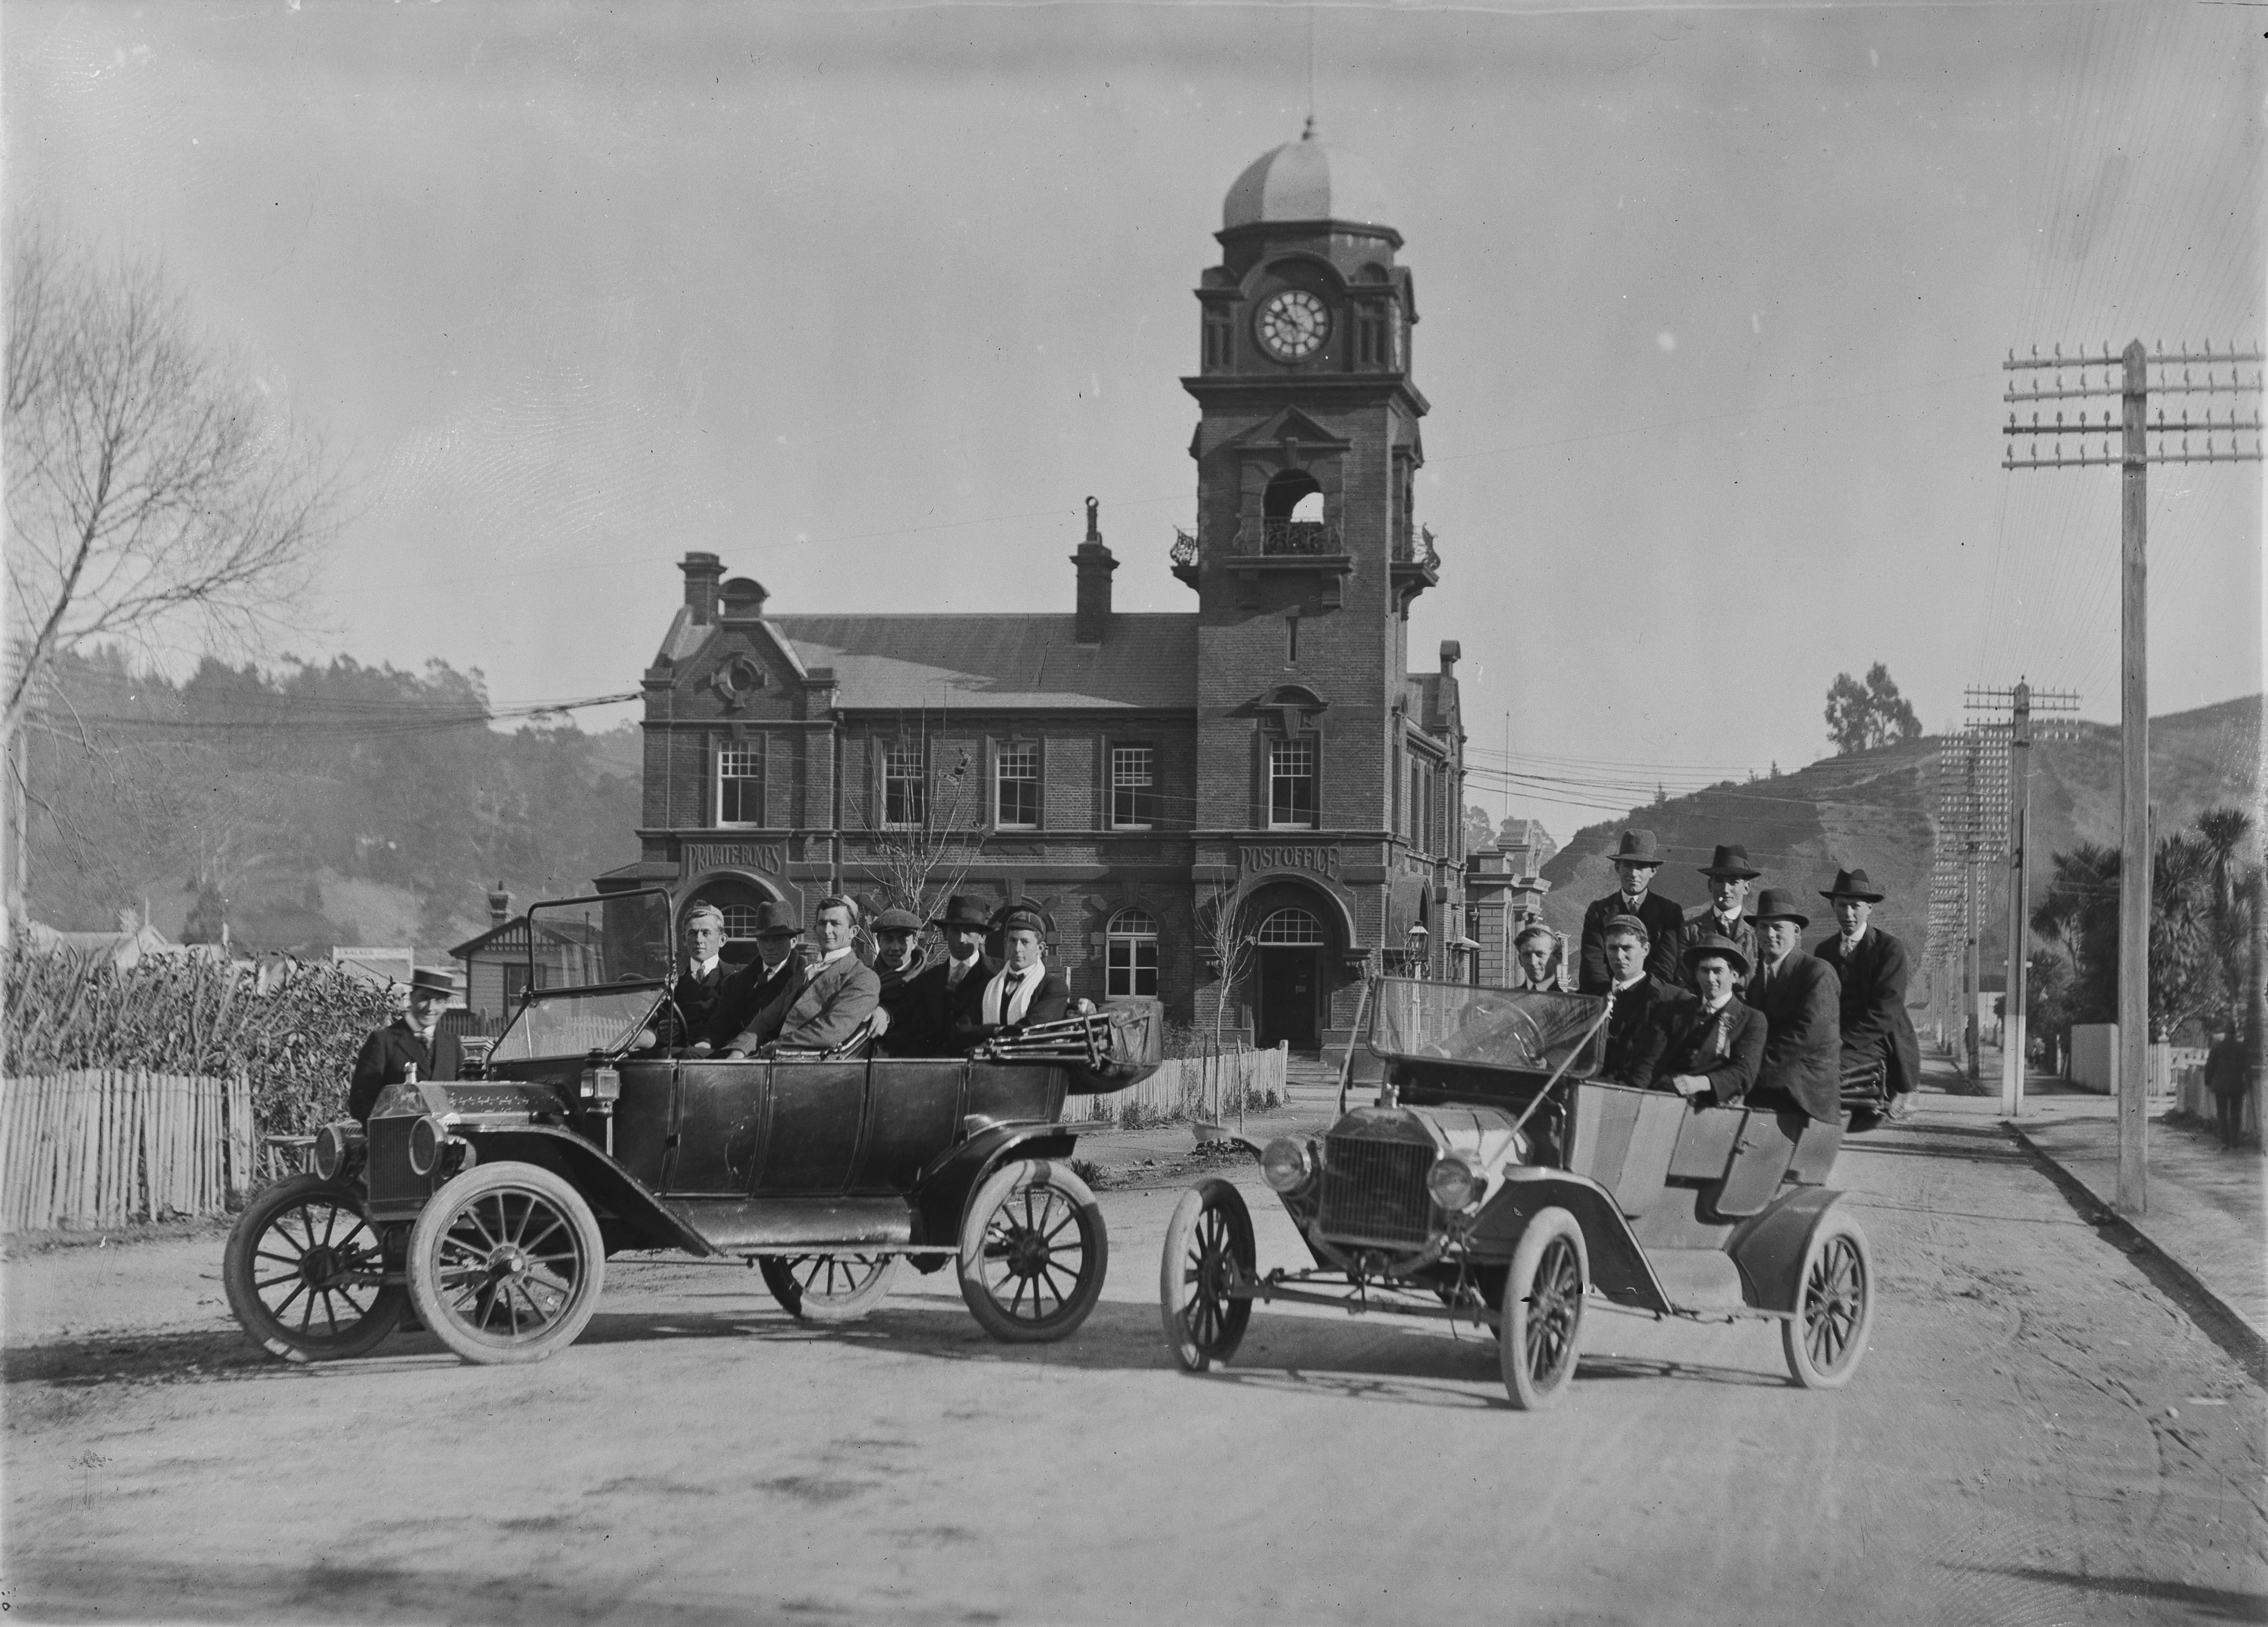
x=1729 y=874
x=898 y=963
x=1636 y=858
x=1800 y=1000
x=759 y=983
x=1642 y=1002
x=828 y=999
x=1873 y=968
x=411 y=1040
x=1712 y=1044
x=948 y=995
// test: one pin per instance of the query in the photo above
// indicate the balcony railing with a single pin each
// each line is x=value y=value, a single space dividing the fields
x=1185 y=549
x=1287 y=536
x=1418 y=550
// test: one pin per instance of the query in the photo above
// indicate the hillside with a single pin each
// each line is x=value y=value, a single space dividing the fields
x=1876 y=810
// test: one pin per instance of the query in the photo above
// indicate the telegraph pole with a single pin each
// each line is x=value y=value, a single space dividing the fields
x=2133 y=458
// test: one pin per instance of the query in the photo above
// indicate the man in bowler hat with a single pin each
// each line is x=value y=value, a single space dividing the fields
x=1872 y=967
x=1636 y=859
x=413 y=1040
x=828 y=1001
x=1712 y=1044
x=759 y=983
x=1729 y=874
x=1801 y=1002
x=949 y=993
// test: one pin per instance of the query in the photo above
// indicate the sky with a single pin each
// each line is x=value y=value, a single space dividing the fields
x=867 y=299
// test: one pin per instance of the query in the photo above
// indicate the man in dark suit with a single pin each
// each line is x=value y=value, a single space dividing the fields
x=1728 y=874
x=1026 y=989
x=901 y=1024
x=1635 y=1030
x=948 y=995
x=829 y=1001
x=1636 y=860
x=411 y=1041
x=756 y=984
x=1872 y=967
x=1712 y=1044
x=693 y=997
x=1801 y=1002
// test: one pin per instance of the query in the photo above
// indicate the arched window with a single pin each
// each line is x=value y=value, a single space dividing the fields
x=740 y=920
x=1294 y=929
x=1132 y=960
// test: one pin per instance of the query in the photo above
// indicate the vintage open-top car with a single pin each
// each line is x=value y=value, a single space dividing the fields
x=492 y=1204
x=1497 y=1182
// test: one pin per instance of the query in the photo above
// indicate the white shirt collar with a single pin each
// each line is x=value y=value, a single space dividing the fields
x=833 y=955
x=702 y=968
x=1633 y=983
x=1710 y=1011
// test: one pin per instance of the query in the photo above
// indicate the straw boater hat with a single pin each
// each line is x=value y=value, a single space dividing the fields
x=1724 y=948
x=1852 y=884
x=1638 y=848
x=962 y=910
x=1732 y=860
x=1777 y=903
x=433 y=980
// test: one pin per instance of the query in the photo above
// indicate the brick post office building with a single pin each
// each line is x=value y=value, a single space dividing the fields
x=1128 y=773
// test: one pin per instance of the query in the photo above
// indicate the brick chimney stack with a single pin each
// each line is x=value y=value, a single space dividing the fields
x=1451 y=652
x=1092 y=619
x=703 y=572
x=499 y=906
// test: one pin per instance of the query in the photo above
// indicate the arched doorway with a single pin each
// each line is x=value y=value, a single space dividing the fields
x=1288 y=982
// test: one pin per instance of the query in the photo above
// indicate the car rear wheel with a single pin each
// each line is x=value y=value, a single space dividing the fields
x=1032 y=1252
x=302 y=1269
x=1543 y=1327
x=1835 y=1311
x=505 y=1264
x=828 y=1288
x=1208 y=1250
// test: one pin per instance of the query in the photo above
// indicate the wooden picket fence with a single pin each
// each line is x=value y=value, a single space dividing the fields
x=101 y=1148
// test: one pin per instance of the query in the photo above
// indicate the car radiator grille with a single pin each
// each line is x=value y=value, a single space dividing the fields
x=1375 y=1190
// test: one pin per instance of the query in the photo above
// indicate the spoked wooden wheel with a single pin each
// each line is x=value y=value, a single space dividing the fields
x=1826 y=1338
x=828 y=1288
x=505 y=1264
x=1209 y=1250
x=1032 y=1252
x=303 y=1273
x=1543 y=1328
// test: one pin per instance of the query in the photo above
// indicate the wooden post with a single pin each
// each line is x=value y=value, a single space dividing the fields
x=1972 y=987
x=2134 y=785
x=2012 y=1024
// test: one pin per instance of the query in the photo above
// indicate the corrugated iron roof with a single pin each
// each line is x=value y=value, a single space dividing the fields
x=992 y=662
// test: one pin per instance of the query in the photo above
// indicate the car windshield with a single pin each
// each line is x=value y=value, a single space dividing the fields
x=578 y=943
x=1515 y=1028
x=570 y=1025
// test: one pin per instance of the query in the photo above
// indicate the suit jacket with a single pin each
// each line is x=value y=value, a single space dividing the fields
x=952 y=1021
x=1704 y=924
x=901 y=996
x=692 y=1004
x=1803 y=1052
x=1050 y=1002
x=745 y=993
x=386 y=1057
x=1662 y=919
x=821 y=1009
x=1726 y=1050
x=1638 y=1029
x=1872 y=1012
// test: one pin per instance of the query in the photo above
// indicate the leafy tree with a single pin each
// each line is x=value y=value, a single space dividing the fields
x=1480 y=829
x=1863 y=716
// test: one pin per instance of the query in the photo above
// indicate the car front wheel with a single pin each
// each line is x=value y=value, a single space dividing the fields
x=505 y=1264
x=1032 y=1252
x=303 y=1272
x=1835 y=1309
x=1209 y=1250
x=1542 y=1325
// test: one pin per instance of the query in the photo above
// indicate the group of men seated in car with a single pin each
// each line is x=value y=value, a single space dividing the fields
x=1726 y=1006
x=826 y=997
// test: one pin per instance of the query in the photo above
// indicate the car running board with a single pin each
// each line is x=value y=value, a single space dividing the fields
x=796 y=1225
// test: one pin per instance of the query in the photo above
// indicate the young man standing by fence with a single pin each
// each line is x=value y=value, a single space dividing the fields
x=411 y=1039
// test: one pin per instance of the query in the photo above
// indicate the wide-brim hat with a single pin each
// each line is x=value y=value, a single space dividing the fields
x=1853 y=884
x=962 y=910
x=1731 y=861
x=1638 y=848
x=433 y=980
x=1724 y=948
x=774 y=921
x=897 y=920
x=1778 y=903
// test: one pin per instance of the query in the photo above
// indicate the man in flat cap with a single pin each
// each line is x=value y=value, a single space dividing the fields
x=1636 y=858
x=1536 y=953
x=898 y=963
x=827 y=1002
x=756 y=984
x=1025 y=990
x=1801 y=1002
x=1712 y=1044
x=950 y=993
x=1635 y=1027
x=413 y=1040
x=1724 y=916
x=1873 y=968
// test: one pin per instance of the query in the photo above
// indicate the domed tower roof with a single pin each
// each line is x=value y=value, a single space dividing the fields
x=1307 y=179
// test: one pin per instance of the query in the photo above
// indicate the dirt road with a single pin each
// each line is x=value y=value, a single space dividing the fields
x=2037 y=1436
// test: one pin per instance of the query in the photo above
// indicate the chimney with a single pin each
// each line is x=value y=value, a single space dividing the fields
x=703 y=572
x=1092 y=619
x=744 y=598
x=499 y=906
x=1451 y=652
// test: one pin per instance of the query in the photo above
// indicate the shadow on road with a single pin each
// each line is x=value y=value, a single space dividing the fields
x=2218 y=1604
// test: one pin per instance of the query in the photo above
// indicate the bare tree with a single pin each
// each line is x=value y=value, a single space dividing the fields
x=920 y=855
x=1229 y=943
x=153 y=491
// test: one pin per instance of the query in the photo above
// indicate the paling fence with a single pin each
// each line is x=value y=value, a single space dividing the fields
x=103 y=1147
x=1208 y=1086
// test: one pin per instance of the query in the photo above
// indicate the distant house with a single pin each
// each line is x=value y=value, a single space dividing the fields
x=495 y=965
x=128 y=946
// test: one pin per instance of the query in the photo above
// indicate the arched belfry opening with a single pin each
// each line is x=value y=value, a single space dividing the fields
x=1292 y=510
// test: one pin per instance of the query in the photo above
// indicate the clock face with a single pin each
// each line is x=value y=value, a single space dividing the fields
x=1293 y=324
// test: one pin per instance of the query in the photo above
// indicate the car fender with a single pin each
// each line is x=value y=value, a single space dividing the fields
x=941 y=1192
x=605 y=1184
x=1618 y=1266
x=1769 y=1248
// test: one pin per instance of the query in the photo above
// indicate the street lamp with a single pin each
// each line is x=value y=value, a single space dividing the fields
x=1417 y=935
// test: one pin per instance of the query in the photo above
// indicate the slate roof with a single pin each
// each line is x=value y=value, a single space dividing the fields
x=999 y=662
x=1424 y=692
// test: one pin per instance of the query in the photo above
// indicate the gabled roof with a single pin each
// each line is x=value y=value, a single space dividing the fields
x=996 y=662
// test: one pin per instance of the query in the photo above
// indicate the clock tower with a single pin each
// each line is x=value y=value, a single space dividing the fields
x=1306 y=559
